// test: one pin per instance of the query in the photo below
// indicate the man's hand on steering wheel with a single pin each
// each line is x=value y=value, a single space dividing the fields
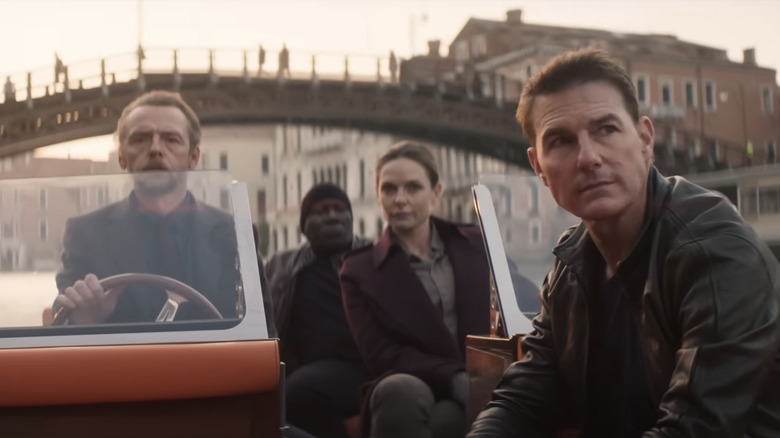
x=87 y=302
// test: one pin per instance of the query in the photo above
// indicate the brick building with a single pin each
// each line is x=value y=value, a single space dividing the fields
x=706 y=107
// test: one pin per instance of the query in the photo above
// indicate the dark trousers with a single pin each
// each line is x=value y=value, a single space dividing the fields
x=403 y=406
x=321 y=395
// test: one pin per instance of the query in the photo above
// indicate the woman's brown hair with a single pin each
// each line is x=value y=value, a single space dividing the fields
x=412 y=151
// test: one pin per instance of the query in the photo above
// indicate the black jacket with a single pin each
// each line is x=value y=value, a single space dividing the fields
x=709 y=328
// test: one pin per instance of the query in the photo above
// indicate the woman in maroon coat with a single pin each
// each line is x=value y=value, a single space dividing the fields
x=411 y=299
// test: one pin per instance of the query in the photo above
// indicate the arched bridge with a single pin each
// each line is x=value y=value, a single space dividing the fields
x=355 y=91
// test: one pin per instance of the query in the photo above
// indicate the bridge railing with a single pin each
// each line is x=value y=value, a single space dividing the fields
x=222 y=61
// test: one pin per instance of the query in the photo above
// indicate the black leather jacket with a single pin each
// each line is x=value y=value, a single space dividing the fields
x=709 y=328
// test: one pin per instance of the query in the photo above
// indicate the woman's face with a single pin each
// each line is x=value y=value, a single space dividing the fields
x=406 y=194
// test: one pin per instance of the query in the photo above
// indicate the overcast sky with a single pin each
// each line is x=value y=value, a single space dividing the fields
x=32 y=30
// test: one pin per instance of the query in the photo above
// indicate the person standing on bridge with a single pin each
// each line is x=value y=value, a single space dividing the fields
x=260 y=61
x=393 y=68
x=9 y=90
x=661 y=314
x=411 y=299
x=284 y=62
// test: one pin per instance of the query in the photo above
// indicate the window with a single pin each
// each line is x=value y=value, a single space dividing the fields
x=459 y=213
x=338 y=176
x=298 y=130
x=300 y=187
x=666 y=93
x=8 y=230
x=261 y=203
x=362 y=227
x=330 y=174
x=314 y=176
x=690 y=94
x=43 y=229
x=276 y=240
x=766 y=100
x=224 y=199
x=462 y=51
x=715 y=150
x=344 y=175
x=641 y=90
x=42 y=199
x=204 y=160
x=284 y=194
x=709 y=96
x=771 y=151
x=84 y=196
x=535 y=232
x=223 y=161
x=672 y=138
x=284 y=139
x=533 y=197
x=285 y=238
x=102 y=196
x=380 y=227
x=696 y=147
x=362 y=178
x=265 y=164
x=479 y=44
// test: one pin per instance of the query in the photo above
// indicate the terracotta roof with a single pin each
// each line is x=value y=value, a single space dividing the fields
x=512 y=36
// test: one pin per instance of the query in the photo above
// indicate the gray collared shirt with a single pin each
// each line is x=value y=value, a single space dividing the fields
x=438 y=279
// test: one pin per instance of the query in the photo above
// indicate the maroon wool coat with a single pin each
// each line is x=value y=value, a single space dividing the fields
x=394 y=322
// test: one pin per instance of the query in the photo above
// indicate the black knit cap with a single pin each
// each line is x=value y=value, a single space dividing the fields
x=319 y=192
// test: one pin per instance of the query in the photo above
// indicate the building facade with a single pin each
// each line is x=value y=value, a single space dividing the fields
x=710 y=112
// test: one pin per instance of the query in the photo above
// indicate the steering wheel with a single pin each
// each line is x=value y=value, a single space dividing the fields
x=177 y=292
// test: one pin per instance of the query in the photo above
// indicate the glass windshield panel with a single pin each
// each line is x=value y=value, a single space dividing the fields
x=529 y=223
x=163 y=243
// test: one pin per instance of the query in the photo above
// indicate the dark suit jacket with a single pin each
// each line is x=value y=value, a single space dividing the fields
x=112 y=241
x=394 y=322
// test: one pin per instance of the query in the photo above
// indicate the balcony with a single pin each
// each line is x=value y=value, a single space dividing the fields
x=659 y=111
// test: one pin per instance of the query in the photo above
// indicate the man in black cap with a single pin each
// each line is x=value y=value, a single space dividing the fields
x=324 y=367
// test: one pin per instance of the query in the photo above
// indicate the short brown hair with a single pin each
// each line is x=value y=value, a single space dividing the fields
x=412 y=151
x=163 y=98
x=575 y=68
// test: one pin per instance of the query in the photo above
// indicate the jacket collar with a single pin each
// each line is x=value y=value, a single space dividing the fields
x=576 y=247
x=386 y=243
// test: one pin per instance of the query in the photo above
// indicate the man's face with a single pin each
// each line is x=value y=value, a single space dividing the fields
x=328 y=227
x=156 y=139
x=589 y=151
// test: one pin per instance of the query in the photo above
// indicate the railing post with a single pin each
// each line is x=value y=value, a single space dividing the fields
x=66 y=85
x=29 y=91
x=347 y=80
x=103 y=84
x=246 y=68
x=176 y=74
x=212 y=74
x=315 y=81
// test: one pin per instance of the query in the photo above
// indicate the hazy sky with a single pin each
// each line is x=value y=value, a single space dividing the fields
x=32 y=30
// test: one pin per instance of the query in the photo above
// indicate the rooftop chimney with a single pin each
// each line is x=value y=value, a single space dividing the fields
x=514 y=16
x=433 y=47
x=749 y=56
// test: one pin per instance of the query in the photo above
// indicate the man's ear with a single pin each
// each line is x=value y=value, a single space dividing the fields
x=646 y=132
x=194 y=157
x=122 y=160
x=535 y=164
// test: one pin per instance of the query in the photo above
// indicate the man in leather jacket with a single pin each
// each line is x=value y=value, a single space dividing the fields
x=661 y=315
